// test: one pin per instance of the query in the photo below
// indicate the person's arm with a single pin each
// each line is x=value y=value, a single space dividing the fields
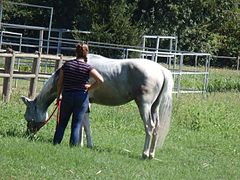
x=60 y=85
x=97 y=77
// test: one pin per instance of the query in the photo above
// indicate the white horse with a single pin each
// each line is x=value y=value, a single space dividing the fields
x=146 y=82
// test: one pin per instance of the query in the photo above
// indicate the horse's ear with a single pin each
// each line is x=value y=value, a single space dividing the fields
x=26 y=100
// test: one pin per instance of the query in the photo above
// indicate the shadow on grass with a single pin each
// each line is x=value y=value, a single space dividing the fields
x=98 y=149
x=22 y=134
x=116 y=151
x=12 y=133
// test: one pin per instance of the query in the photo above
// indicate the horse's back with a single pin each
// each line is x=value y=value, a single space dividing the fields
x=143 y=65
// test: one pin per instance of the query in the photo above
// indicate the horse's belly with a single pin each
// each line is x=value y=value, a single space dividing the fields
x=109 y=99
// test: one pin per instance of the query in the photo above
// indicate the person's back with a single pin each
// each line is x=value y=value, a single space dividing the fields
x=76 y=75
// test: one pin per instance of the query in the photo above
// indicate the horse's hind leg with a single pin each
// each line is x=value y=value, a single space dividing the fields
x=145 y=112
x=155 y=119
x=155 y=116
x=161 y=114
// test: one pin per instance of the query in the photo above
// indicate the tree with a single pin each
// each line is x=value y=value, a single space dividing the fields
x=201 y=25
x=113 y=23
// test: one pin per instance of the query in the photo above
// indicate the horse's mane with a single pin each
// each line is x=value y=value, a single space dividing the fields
x=103 y=58
x=95 y=56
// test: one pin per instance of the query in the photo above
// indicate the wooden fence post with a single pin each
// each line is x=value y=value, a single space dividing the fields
x=7 y=81
x=59 y=62
x=34 y=81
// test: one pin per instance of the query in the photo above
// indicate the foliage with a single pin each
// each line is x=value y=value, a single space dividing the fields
x=219 y=80
x=112 y=24
x=223 y=80
x=201 y=25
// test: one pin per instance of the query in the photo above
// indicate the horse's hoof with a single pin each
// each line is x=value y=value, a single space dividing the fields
x=90 y=146
x=144 y=156
x=151 y=156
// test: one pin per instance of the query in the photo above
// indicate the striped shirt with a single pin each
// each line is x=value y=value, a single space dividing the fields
x=76 y=75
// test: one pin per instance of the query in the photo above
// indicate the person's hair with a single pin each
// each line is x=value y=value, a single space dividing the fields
x=82 y=51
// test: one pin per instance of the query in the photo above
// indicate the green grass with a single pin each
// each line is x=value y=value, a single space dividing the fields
x=203 y=143
x=223 y=80
x=204 y=138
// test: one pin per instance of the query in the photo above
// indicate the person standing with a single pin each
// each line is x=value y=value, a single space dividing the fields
x=72 y=90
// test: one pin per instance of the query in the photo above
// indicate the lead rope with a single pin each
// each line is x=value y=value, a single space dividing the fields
x=58 y=112
x=58 y=104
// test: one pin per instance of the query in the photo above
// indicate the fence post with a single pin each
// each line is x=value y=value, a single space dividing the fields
x=7 y=81
x=59 y=62
x=40 y=47
x=238 y=58
x=34 y=81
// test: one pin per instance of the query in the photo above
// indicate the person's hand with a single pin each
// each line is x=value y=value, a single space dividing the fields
x=87 y=86
x=58 y=101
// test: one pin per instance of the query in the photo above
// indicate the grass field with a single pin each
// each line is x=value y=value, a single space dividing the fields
x=203 y=142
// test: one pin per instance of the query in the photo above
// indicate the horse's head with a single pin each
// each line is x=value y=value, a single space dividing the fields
x=34 y=116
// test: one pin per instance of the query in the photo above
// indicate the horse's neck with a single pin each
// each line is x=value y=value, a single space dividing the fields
x=48 y=93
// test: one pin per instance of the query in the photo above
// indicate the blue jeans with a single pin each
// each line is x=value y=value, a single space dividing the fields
x=73 y=103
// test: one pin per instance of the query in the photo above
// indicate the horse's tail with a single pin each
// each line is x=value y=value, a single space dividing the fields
x=165 y=109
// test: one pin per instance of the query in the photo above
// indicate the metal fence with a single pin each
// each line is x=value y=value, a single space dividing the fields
x=175 y=60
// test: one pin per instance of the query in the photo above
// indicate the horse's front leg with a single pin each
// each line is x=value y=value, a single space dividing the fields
x=85 y=126
x=81 y=134
x=87 y=129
